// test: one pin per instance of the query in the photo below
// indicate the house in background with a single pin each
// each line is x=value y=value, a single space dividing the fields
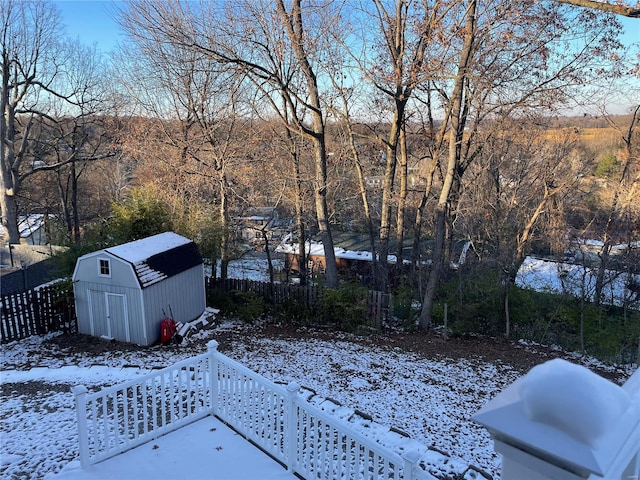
x=352 y=252
x=255 y=224
x=124 y=292
x=32 y=230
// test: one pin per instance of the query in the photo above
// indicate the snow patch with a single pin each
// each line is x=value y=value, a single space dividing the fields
x=563 y=395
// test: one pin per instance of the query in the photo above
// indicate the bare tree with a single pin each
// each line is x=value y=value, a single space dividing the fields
x=616 y=8
x=503 y=75
x=79 y=131
x=46 y=81
x=195 y=101
x=30 y=34
x=404 y=31
x=271 y=46
x=625 y=193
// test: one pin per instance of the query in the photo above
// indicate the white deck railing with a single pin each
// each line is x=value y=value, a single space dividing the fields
x=276 y=418
x=124 y=416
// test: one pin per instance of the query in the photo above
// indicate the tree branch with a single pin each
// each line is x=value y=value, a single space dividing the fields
x=623 y=10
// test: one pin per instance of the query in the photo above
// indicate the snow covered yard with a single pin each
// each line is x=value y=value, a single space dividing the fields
x=428 y=395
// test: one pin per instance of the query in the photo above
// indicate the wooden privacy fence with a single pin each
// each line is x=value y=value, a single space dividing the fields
x=36 y=312
x=52 y=308
x=379 y=304
x=277 y=419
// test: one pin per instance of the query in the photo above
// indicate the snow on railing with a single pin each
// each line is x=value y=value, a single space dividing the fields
x=562 y=421
x=276 y=418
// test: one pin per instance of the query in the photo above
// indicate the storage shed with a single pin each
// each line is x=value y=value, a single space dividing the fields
x=124 y=292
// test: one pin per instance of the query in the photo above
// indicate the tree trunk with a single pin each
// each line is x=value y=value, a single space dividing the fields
x=302 y=253
x=265 y=237
x=436 y=267
x=616 y=9
x=456 y=130
x=382 y=276
x=402 y=198
x=363 y=189
x=8 y=174
x=387 y=194
x=224 y=222
x=294 y=27
x=331 y=272
x=74 y=204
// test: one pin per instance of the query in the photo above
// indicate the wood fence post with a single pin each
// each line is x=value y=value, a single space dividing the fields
x=80 y=394
x=446 y=320
x=291 y=426
x=214 y=364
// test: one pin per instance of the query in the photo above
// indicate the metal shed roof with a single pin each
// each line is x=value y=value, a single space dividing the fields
x=158 y=257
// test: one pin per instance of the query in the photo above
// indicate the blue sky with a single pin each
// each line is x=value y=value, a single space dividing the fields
x=92 y=22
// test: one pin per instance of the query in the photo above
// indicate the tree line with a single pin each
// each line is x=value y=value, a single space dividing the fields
x=207 y=109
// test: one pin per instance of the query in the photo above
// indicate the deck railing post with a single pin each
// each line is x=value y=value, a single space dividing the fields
x=410 y=468
x=291 y=426
x=539 y=425
x=80 y=395
x=214 y=364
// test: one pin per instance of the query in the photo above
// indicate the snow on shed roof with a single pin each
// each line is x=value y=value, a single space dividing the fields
x=145 y=248
x=158 y=257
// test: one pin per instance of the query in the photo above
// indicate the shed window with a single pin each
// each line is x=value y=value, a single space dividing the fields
x=104 y=267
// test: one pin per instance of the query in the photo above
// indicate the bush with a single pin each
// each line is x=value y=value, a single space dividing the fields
x=476 y=307
x=246 y=306
x=475 y=304
x=141 y=215
x=293 y=311
x=345 y=307
x=556 y=320
x=607 y=167
x=405 y=304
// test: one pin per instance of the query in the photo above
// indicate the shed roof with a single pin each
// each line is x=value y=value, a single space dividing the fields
x=158 y=257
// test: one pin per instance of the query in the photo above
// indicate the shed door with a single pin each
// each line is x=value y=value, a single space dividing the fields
x=98 y=314
x=117 y=316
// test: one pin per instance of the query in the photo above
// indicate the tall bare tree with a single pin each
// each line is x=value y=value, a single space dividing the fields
x=195 y=102
x=30 y=36
x=625 y=193
x=274 y=47
x=522 y=69
x=396 y=36
x=51 y=87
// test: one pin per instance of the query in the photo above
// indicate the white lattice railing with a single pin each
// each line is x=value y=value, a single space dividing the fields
x=276 y=418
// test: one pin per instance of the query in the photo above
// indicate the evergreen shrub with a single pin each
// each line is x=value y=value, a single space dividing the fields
x=345 y=307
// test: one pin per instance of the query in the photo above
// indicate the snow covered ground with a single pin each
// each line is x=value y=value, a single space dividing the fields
x=550 y=276
x=431 y=400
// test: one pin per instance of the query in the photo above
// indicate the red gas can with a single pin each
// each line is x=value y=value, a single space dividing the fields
x=167 y=330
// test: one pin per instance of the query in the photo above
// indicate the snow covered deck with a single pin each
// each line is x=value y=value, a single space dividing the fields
x=204 y=449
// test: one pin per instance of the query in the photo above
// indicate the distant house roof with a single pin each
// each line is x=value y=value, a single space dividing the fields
x=158 y=257
x=352 y=246
x=27 y=225
x=316 y=248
